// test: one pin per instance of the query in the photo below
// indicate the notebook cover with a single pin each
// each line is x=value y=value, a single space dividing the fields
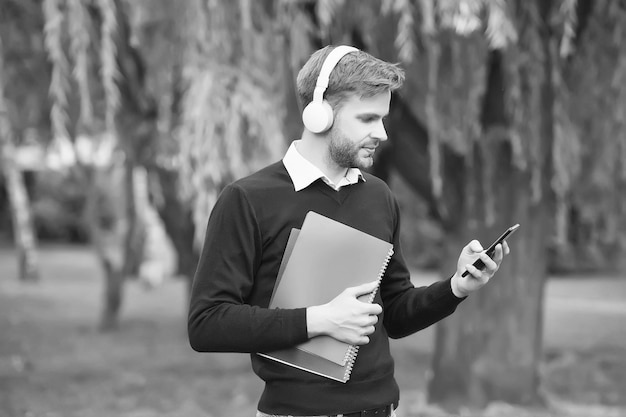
x=321 y=260
x=310 y=363
x=291 y=241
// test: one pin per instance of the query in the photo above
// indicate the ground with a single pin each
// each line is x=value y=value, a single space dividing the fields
x=55 y=363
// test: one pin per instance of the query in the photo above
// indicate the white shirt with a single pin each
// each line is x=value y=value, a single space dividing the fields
x=303 y=173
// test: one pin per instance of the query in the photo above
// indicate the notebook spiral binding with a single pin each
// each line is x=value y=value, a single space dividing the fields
x=353 y=350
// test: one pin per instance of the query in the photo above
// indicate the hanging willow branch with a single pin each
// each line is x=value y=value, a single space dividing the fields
x=108 y=57
x=434 y=147
x=242 y=134
x=463 y=16
x=405 y=42
x=79 y=48
x=499 y=29
x=570 y=21
x=405 y=39
x=59 y=83
x=433 y=52
x=567 y=147
x=619 y=82
x=326 y=10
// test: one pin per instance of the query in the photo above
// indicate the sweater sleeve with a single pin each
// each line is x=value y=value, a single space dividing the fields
x=409 y=309
x=220 y=320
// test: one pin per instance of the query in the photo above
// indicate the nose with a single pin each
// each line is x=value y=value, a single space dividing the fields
x=379 y=131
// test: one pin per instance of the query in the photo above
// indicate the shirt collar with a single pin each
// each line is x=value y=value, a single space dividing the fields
x=303 y=173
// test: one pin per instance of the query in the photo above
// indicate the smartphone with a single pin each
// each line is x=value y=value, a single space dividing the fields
x=492 y=248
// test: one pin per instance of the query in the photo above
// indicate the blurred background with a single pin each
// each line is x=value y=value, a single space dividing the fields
x=121 y=121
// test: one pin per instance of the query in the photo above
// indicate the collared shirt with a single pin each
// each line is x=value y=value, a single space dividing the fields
x=303 y=173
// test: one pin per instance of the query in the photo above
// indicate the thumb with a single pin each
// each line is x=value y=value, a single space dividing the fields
x=363 y=289
x=474 y=247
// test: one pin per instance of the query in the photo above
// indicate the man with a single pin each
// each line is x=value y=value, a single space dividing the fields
x=348 y=93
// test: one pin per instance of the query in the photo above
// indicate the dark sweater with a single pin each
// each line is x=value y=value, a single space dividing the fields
x=245 y=239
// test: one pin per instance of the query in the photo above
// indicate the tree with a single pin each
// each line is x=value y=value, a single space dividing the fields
x=510 y=167
x=485 y=130
x=24 y=235
x=590 y=156
x=490 y=350
x=23 y=110
x=194 y=110
x=217 y=118
x=489 y=154
x=112 y=110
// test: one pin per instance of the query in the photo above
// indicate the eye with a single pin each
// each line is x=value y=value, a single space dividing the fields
x=369 y=119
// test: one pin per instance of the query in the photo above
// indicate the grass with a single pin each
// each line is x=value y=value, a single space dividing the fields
x=54 y=362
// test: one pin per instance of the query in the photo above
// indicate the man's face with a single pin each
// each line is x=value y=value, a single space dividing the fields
x=357 y=130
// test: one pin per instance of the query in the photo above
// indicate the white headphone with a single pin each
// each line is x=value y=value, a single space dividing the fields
x=318 y=114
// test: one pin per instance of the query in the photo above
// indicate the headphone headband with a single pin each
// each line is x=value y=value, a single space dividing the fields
x=329 y=64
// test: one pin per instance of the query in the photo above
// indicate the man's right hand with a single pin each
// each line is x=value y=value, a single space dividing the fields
x=345 y=318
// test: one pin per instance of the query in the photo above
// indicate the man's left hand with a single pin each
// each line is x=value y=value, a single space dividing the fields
x=462 y=286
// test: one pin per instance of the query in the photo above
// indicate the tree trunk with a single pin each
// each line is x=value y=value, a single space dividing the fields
x=23 y=230
x=489 y=350
x=24 y=235
x=120 y=250
x=113 y=295
x=178 y=222
x=107 y=236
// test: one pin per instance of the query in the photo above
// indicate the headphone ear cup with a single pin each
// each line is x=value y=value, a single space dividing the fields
x=318 y=117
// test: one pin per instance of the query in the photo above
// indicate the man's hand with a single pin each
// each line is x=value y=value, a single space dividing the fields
x=345 y=318
x=463 y=286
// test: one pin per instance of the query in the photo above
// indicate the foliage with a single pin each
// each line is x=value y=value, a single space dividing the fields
x=108 y=58
x=230 y=123
x=188 y=46
x=79 y=28
x=449 y=42
x=237 y=138
x=26 y=72
x=592 y=151
x=59 y=84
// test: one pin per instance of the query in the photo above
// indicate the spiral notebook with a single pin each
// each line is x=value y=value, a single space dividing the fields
x=322 y=259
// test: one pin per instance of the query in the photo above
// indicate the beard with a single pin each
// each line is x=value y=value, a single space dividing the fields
x=345 y=153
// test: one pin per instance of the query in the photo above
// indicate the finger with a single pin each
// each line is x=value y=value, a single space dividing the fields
x=474 y=272
x=489 y=263
x=498 y=254
x=363 y=289
x=368 y=321
x=505 y=247
x=368 y=330
x=372 y=309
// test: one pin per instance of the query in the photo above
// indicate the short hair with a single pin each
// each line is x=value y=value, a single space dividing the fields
x=356 y=73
